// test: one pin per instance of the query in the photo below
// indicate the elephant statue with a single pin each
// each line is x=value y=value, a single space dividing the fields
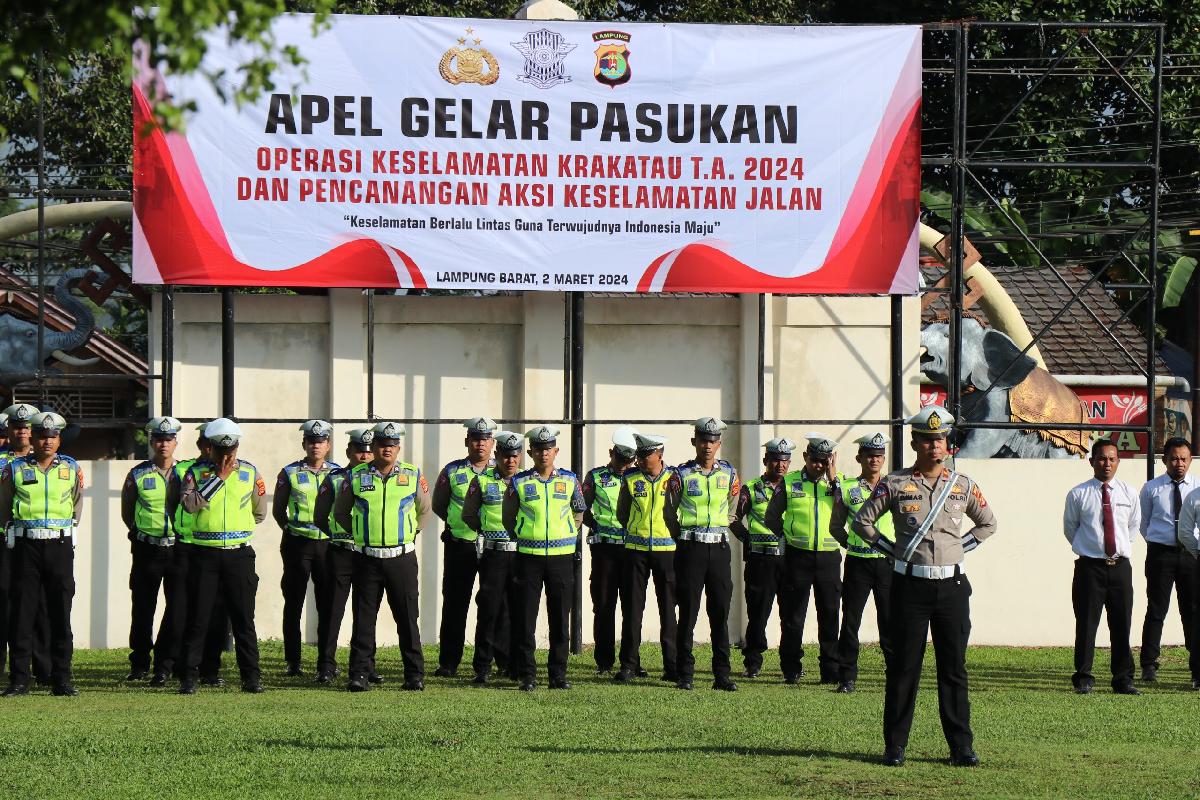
x=19 y=360
x=1023 y=393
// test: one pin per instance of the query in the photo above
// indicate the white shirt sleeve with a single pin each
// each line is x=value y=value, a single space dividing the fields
x=1136 y=519
x=1187 y=522
x=1071 y=516
x=1145 y=499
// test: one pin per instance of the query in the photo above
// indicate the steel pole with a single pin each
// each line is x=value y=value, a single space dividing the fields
x=227 y=334
x=577 y=426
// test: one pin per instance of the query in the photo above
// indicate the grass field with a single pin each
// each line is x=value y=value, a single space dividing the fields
x=1036 y=738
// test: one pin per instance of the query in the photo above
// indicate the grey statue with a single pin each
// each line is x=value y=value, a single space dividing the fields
x=1024 y=393
x=18 y=337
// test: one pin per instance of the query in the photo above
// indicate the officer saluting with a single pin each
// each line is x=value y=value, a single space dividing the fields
x=930 y=589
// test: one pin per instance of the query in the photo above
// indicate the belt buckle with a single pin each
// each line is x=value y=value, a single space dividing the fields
x=1111 y=560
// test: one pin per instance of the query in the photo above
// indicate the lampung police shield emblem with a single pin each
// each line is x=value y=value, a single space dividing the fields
x=544 y=51
x=612 y=58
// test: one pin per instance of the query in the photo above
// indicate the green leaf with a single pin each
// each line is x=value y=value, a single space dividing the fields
x=1177 y=280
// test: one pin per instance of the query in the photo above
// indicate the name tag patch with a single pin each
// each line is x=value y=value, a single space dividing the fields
x=693 y=487
x=302 y=477
x=149 y=483
x=460 y=477
x=531 y=492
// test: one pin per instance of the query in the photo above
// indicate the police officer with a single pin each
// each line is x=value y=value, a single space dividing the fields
x=459 y=562
x=152 y=542
x=930 y=590
x=483 y=512
x=761 y=548
x=339 y=559
x=543 y=509
x=226 y=498
x=701 y=500
x=384 y=503
x=801 y=514
x=649 y=551
x=867 y=570
x=601 y=489
x=303 y=545
x=41 y=496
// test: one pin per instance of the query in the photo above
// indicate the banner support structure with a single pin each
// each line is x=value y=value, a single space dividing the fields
x=575 y=337
x=227 y=396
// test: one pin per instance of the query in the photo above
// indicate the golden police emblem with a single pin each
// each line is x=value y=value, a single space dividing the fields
x=469 y=64
x=934 y=422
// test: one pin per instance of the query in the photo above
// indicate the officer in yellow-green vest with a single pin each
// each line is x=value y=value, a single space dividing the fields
x=762 y=552
x=801 y=514
x=226 y=498
x=483 y=512
x=384 y=504
x=339 y=559
x=302 y=545
x=649 y=552
x=460 y=557
x=867 y=570
x=41 y=496
x=701 y=500
x=543 y=509
x=606 y=540
x=152 y=543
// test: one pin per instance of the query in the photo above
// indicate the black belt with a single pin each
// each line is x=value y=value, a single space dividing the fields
x=1110 y=562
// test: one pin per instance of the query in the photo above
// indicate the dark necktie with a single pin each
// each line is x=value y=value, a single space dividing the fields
x=1176 y=503
x=1110 y=527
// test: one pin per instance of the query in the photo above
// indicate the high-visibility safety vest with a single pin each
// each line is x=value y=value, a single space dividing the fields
x=607 y=486
x=303 y=485
x=648 y=497
x=385 y=507
x=44 y=499
x=809 y=509
x=459 y=475
x=491 y=506
x=150 y=512
x=336 y=480
x=545 y=518
x=704 y=498
x=183 y=521
x=855 y=492
x=228 y=519
x=756 y=519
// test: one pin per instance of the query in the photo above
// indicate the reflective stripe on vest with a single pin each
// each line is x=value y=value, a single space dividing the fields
x=459 y=474
x=756 y=519
x=545 y=519
x=704 y=499
x=491 y=506
x=648 y=497
x=150 y=511
x=336 y=480
x=229 y=518
x=385 y=508
x=304 y=484
x=809 y=508
x=854 y=493
x=604 y=503
x=183 y=521
x=44 y=499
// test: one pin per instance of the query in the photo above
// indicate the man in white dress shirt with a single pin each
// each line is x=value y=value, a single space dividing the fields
x=1167 y=563
x=1100 y=519
x=1188 y=532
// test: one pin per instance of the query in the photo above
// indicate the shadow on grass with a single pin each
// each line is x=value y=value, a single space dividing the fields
x=306 y=744
x=733 y=750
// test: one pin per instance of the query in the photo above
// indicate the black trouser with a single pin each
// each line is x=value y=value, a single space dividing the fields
x=863 y=576
x=303 y=558
x=557 y=574
x=640 y=565
x=339 y=577
x=703 y=568
x=155 y=567
x=43 y=572
x=761 y=575
x=8 y=626
x=606 y=586
x=1168 y=566
x=1194 y=656
x=1097 y=587
x=919 y=607
x=218 y=624
x=459 y=565
x=818 y=572
x=494 y=631
x=216 y=573
x=397 y=578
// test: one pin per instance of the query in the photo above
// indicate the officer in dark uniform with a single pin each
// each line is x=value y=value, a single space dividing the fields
x=459 y=561
x=762 y=549
x=930 y=591
x=302 y=545
x=701 y=501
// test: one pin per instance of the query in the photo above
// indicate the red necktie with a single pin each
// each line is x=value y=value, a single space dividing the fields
x=1110 y=527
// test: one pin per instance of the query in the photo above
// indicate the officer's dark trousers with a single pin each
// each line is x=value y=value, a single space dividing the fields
x=1098 y=587
x=41 y=625
x=339 y=577
x=154 y=567
x=43 y=571
x=303 y=558
x=862 y=577
x=606 y=579
x=459 y=566
x=397 y=578
x=919 y=607
x=640 y=565
x=702 y=568
x=494 y=631
x=805 y=572
x=1168 y=566
x=557 y=575
x=218 y=624
x=761 y=575
x=215 y=573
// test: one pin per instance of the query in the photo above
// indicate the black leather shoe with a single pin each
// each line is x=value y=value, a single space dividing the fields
x=527 y=686
x=1196 y=684
x=16 y=690
x=964 y=758
x=159 y=680
x=724 y=685
x=415 y=685
x=893 y=757
x=845 y=687
x=623 y=676
x=136 y=675
x=324 y=678
x=792 y=678
x=65 y=690
x=293 y=671
x=684 y=683
x=358 y=683
x=560 y=683
x=481 y=679
x=1085 y=688
x=253 y=687
x=641 y=673
x=187 y=686
x=213 y=681
x=1150 y=674
x=751 y=672
x=375 y=678
x=445 y=672
x=1125 y=688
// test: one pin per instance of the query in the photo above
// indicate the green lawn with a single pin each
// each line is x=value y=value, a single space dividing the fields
x=1035 y=737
